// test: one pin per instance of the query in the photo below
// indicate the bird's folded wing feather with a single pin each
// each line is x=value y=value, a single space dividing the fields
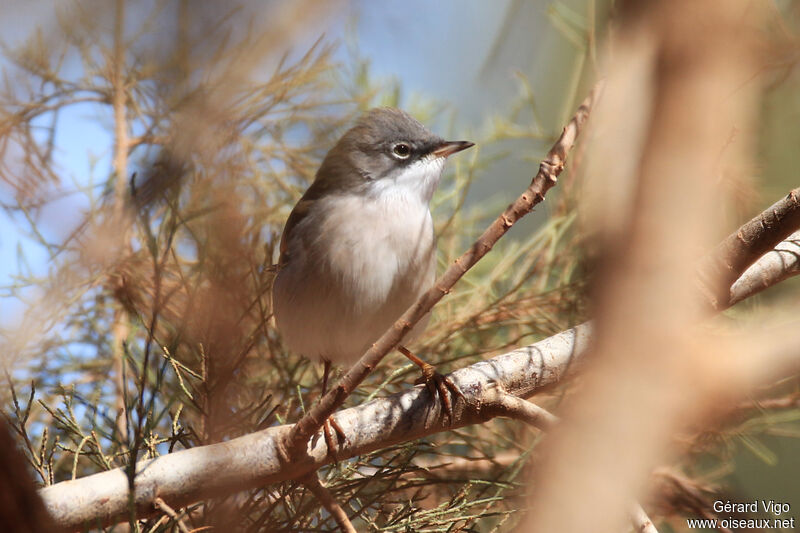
x=300 y=211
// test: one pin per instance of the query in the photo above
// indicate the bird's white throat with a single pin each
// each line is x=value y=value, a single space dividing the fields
x=418 y=180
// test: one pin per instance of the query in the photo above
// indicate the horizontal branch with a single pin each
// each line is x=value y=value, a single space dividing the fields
x=253 y=460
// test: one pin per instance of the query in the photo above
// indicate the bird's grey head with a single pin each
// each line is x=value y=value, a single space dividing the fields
x=386 y=148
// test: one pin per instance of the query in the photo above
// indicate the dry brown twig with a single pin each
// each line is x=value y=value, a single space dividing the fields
x=313 y=483
x=253 y=460
x=169 y=511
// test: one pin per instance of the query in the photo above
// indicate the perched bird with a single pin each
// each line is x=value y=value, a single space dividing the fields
x=359 y=248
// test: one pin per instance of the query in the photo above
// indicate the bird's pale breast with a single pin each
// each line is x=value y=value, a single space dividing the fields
x=356 y=264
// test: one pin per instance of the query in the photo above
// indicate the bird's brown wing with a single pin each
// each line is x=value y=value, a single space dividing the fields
x=300 y=211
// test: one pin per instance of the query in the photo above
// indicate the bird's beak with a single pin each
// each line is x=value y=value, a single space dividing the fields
x=451 y=147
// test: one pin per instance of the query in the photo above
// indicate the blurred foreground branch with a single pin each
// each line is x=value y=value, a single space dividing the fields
x=656 y=365
x=21 y=509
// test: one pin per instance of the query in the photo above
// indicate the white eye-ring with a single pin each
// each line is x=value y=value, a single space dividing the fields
x=401 y=150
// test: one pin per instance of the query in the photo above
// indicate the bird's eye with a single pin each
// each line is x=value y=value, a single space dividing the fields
x=401 y=150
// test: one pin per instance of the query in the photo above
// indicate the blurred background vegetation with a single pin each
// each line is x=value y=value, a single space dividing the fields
x=151 y=152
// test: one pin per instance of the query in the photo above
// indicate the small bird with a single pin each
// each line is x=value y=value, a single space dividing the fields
x=359 y=248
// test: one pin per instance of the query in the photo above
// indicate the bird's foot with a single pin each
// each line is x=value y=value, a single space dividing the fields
x=436 y=382
x=333 y=433
x=441 y=385
x=282 y=449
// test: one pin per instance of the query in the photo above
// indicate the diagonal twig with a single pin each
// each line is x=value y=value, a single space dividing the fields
x=313 y=483
x=169 y=511
x=252 y=460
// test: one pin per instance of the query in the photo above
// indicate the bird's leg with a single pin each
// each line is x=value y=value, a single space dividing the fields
x=434 y=381
x=330 y=421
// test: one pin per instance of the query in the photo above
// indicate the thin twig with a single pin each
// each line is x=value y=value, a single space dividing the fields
x=312 y=482
x=162 y=505
x=253 y=460
x=518 y=408
x=119 y=327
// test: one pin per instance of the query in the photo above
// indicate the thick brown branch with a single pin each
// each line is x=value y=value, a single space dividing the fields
x=773 y=267
x=545 y=179
x=726 y=263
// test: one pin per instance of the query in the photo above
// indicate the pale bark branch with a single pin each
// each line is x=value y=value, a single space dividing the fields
x=253 y=460
x=545 y=179
x=187 y=476
x=641 y=521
